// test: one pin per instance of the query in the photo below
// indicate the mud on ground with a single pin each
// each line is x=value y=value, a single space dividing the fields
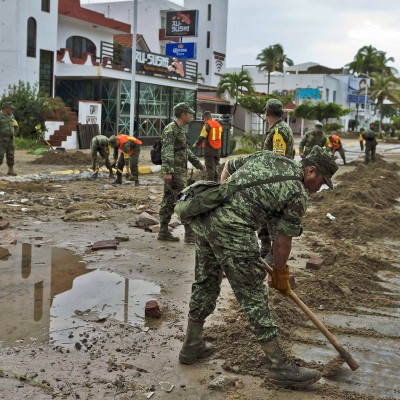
x=127 y=362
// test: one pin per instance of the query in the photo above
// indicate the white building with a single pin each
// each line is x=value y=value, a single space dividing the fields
x=212 y=29
x=308 y=81
x=70 y=52
x=28 y=43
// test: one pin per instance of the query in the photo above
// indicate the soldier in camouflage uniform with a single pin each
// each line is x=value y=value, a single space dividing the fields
x=279 y=139
x=226 y=242
x=99 y=144
x=7 y=137
x=370 y=143
x=314 y=137
x=175 y=155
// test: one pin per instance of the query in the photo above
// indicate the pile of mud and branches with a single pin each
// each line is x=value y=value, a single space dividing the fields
x=64 y=158
x=363 y=204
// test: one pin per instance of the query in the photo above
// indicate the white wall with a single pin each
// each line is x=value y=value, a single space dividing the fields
x=217 y=27
x=14 y=64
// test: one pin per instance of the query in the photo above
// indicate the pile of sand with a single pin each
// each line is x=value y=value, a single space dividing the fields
x=64 y=158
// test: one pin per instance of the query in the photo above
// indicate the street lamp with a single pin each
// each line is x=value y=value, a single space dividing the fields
x=133 y=77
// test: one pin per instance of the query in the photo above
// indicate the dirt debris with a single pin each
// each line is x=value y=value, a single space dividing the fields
x=64 y=158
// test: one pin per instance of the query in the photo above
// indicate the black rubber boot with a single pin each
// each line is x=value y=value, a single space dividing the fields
x=166 y=235
x=11 y=171
x=189 y=235
x=110 y=174
x=194 y=347
x=118 y=181
x=95 y=175
x=282 y=374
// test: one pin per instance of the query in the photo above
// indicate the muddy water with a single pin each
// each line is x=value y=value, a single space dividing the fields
x=47 y=294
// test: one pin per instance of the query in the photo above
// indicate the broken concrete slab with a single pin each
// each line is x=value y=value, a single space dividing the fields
x=314 y=263
x=143 y=220
x=4 y=224
x=222 y=382
x=105 y=244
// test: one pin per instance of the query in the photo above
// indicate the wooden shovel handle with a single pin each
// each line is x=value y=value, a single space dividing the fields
x=324 y=330
x=340 y=349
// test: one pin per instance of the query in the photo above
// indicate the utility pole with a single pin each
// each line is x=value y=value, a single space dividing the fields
x=133 y=68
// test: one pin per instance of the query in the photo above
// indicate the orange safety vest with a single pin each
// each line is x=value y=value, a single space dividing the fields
x=123 y=139
x=215 y=134
x=335 y=142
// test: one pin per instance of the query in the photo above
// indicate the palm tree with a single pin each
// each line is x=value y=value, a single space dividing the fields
x=273 y=59
x=369 y=59
x=384 y=87
x=234 y=83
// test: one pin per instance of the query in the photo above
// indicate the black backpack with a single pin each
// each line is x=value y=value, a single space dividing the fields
x=155 y=153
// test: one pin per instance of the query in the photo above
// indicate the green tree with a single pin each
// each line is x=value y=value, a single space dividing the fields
x=272 y=59
x=234 y=83
x=31 y=107
x=369 y=59
x=320 y=111
x=256 y=103
x=384 y=87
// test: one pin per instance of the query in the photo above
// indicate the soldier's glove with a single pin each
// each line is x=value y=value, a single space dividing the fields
x=280 y=280
x=114 y=165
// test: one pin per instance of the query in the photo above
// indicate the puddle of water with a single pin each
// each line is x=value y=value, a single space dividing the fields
x=47 y=293
x=378 y=359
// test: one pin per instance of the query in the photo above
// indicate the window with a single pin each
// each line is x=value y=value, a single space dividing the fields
x=334 y=96
x=327 y=94
x=163 y=22
x=209 y=13
x=208 y=39
x=79 y=45
x=207 y=67
x=46 y=5
x=46 y=72
x=31 y=38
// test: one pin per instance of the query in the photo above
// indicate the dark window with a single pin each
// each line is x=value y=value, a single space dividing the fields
x=208 y=39
x=46 y=5
x=31 y=38
x=209 y=13
x=79 y=45
x=207 y=67
x=46 y=72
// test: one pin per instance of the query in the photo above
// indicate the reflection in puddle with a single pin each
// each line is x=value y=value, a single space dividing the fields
x=46 y=292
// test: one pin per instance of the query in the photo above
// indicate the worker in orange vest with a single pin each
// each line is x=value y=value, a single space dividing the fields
x=335 y=144
x=211 y=140
x=128 y=148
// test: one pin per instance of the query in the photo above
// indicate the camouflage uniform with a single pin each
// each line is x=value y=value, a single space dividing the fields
x=99 y=144
x=7 y=138
x=313 y=138
x=226 y=239
x=175 y=154
x=370 y=145
x=280 y=139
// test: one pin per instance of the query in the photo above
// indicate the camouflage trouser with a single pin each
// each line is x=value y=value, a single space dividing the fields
x=132 y=161
x=340 y=150
x=104 y=155
x=7 y=148
x=246 y=274
x=171 y=192
x=211 y=163
x=370 y=150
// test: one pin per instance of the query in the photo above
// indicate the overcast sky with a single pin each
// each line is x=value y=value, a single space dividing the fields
x=328 y=32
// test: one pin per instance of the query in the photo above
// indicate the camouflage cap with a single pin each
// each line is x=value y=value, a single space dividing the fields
x=8 y=105
x=273 y=105
x=321 y=159
x=112 y=139
x=183 y=107
x=319 y=124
